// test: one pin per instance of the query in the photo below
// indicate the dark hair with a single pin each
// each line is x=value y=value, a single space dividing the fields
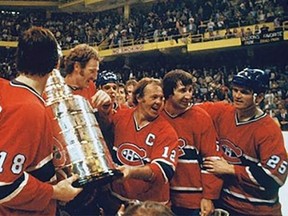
x=171 y=79
x=148 y=208
x=81 y=53
x=140 y=87
x=37 y=52
x=120 y=84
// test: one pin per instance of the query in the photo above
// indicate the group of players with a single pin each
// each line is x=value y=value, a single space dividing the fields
x=192 y=158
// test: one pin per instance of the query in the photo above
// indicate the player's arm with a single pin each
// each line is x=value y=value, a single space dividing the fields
x=211 y=183
x=163 y=161
x=144 y=173
x=270 y=170
x=29 y=194
x=214 y=109
x=165 y=155
x=23 y=184
x=104 y=115
x=24 y=193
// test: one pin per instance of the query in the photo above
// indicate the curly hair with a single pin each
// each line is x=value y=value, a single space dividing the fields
x=81 y=53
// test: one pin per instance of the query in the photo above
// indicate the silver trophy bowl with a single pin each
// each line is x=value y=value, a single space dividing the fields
x=80 y=147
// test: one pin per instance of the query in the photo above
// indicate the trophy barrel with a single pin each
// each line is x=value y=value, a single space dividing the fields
x=80 y=147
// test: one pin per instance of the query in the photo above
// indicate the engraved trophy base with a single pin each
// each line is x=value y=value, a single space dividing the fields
x=99 y=180
x=96 y=193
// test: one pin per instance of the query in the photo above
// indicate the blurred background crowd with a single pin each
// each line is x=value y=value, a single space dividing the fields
x=166 y=20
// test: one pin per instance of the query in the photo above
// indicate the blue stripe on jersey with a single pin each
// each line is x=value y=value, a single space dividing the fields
x=190 y=154
x=186 y=191
x=115 y=158
x=44 y=173
x=266 y=181
x=6 y=190
x=167 y=169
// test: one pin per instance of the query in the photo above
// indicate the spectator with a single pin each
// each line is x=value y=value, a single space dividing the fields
x=129 y=87
x=282 y=117
x=121 y=95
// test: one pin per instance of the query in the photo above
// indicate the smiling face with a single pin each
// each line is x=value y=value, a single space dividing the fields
x=88 y=73
x=129 y=98
x=151 y=103
x=181 y=97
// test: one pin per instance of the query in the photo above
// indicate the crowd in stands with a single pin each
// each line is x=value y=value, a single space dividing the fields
x=160 y=21
x=211 y=84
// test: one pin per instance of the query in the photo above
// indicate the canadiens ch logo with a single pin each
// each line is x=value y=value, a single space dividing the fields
x=131 y=154
x=181 y=145
x=231 y=152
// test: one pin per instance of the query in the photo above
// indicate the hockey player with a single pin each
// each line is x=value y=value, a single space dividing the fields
x=81 y=70
x=27 y=175
x=108 y=82
x=192 y=188
x=254 y=163
x=145 y=145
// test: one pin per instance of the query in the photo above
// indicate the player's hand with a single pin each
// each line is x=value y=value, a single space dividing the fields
x=218 y=166
x=126 y=170
x=100 y=99
x=121 y=210
x=64 y=191
x=207 y=207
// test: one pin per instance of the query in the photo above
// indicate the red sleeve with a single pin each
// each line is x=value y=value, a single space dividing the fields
x=215 y=110
x=31 y=195
x=271 y=169
x=25 y=151
x=212 y=184
x=165 y=154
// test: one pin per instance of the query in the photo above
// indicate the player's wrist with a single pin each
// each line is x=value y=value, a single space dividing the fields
x=231 y=169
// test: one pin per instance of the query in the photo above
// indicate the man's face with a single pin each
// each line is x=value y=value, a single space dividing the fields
x=151 y=103
x=121 y=95
x=111 y=89
x=129 y=89
x=182 y=96
x=242 y=97
x=89 y=73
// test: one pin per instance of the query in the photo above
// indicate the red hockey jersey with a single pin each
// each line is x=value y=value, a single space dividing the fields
x=154 y=144
x=197 y=139
x=25 y=152
x=256 y=148
x=86 y=92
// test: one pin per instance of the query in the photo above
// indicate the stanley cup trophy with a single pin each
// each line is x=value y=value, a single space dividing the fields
x=81 y=148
